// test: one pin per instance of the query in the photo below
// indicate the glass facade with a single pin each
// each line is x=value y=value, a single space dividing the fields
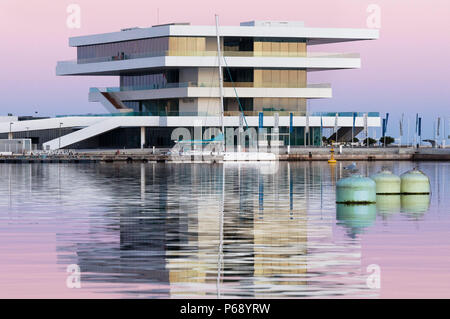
x=265 y=78
x=279 y=47
x=279 y=104
x=160 y=136
x=161 y=107
x=119 y=138
x=280 y=78
x=152 y=80
x=155 y=136
x=252 y=106
x=191 y=46
x=240 y=77
x=238 y=44
x=122 y=50
x=313 y=138
x=232 y=105
x=188 y=46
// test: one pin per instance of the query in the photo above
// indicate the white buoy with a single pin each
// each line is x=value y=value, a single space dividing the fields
x=415 y=182
x=356 y=189
x=387 y=183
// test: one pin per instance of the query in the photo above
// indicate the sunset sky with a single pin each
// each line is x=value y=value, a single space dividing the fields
x=406 y=70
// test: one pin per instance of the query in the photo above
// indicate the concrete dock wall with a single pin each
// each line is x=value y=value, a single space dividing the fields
x=297 y=154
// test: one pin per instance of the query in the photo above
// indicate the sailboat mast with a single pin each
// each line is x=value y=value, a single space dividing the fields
x=219 y=57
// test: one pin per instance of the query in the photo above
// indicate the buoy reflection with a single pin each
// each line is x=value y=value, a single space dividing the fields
x=356 y=218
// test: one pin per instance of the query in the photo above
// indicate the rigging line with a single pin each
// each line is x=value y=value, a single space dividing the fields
x=221 y=221
x=209 y=85
x=235 y=92
x=210 y=94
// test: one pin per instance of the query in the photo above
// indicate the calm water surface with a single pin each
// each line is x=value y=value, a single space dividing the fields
x=209 y=231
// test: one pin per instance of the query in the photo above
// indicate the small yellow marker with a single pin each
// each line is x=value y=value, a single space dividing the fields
x=332 y=160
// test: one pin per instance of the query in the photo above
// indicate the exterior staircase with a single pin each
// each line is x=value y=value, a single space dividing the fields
x=344 y=134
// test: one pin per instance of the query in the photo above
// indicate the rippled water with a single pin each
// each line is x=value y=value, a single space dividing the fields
x=208 y=231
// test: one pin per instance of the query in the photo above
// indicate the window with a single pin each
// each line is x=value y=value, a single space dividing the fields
x=149 y=80
x=238 y=44
x=122 y=50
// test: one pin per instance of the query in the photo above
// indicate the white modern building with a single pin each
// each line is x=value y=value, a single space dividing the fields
x=169 y=78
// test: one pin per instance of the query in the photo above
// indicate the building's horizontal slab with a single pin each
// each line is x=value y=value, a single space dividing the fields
x=8 y=119
x=90 y=126
x=208 y=92
x=50 y=123
x=178 y=121
x=333 y=61
x=313 y=35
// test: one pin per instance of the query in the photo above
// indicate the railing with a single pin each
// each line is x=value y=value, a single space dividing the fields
x=177 y=113
x=214 y=53
x=149 y=87
x=319 y=86
x=345 y=114
x=156 y=113
x=284 y=85
x=266 y=112
x=202 y=84
x=237 y=84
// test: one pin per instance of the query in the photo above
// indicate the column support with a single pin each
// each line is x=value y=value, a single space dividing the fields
x=142 y=136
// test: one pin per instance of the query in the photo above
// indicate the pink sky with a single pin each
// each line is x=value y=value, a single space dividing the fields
x=405 y=70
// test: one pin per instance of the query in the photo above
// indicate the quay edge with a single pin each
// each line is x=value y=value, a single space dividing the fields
x=304 y=154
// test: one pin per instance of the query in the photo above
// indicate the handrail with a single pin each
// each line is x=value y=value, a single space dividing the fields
x=202 y=84
x=266 y=112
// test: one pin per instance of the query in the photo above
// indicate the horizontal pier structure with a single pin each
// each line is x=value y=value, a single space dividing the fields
x=296 y=154
x=368 y=154
x=83 y=158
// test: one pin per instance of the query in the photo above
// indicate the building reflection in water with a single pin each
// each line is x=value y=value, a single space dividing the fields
x=161 y=231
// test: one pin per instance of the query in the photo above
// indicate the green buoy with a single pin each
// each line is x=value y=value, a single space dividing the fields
x=387 y=183
x=415 y=182
x=356 y=189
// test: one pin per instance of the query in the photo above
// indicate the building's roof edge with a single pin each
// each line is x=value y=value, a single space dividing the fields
x=327 y=34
